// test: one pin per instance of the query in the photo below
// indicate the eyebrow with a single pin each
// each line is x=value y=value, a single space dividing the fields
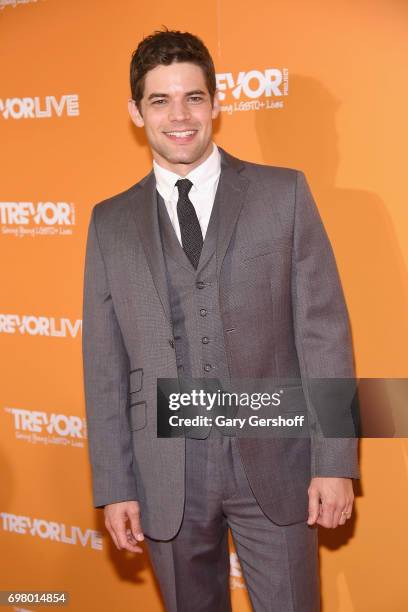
x=188 y=93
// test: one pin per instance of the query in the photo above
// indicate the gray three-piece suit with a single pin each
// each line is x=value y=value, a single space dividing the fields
x=264 y=302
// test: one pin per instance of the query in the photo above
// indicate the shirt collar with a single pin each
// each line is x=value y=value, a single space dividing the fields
x=200 y=176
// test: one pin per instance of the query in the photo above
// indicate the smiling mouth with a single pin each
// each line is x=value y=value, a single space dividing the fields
x=181 y=135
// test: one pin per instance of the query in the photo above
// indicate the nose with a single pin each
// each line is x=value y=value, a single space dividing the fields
x=179 y=110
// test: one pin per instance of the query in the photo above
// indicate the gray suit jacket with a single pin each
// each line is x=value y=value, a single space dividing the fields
x=298 y=327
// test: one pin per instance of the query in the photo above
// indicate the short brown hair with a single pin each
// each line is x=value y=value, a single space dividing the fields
x=165 y=47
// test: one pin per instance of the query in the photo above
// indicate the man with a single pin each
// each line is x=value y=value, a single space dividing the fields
x=211 y=267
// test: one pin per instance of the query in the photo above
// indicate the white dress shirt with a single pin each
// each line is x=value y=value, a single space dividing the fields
x=205 y=179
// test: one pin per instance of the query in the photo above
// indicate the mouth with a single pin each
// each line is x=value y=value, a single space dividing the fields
x=181 y=136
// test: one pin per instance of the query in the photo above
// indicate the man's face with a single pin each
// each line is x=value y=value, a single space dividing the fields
x=177 y=115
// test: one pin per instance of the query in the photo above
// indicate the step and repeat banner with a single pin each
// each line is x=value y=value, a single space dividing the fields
x=316 y=86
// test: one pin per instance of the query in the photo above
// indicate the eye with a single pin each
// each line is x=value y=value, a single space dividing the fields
x=196 y=99
x=158 y=102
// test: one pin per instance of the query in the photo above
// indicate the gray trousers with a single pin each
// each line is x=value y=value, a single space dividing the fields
x=279 y=564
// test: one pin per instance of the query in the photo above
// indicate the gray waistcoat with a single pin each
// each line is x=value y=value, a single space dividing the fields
x=193 y=294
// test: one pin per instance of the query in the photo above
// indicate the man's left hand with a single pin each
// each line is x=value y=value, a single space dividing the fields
x=330 y=501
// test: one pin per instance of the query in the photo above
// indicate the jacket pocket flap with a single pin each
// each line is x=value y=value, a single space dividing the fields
x=272 y=247
x=135 y=380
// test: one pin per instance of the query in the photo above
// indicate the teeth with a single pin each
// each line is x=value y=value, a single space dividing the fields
x=181 y=134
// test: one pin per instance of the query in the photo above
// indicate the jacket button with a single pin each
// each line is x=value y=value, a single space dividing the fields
x=200 y=285
x=207 y=367
x=171 y=342
x=203 y=312
x=205 y=340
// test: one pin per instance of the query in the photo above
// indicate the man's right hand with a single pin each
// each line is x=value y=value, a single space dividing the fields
x=116 y=517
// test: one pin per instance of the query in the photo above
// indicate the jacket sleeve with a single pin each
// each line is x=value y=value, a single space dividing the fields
x=106 y=383
x=323 y=340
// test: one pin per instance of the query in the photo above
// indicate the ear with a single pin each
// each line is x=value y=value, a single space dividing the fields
x=216 y=105
x=135 y=114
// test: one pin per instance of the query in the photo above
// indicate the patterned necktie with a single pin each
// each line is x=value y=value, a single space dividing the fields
x=191 y=236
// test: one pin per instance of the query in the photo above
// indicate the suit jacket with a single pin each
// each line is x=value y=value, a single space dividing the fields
x=283 y=313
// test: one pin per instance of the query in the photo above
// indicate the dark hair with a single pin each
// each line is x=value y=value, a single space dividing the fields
x=165 y=47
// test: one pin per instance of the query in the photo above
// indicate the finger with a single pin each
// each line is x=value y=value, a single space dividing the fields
x=339 y=515
x=314 y=506
x=349 y=510
x=120 y=530
x=135 y=526
x=327 y=515
x=130 y=537
x=113 y=535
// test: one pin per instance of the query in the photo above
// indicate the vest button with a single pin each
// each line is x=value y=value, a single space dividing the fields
x=207 y=367
x=171 y=342
x=200 y=285
x=203 y=312
x=205 y=340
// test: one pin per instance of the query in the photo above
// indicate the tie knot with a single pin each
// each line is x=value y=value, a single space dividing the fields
x=184 y=186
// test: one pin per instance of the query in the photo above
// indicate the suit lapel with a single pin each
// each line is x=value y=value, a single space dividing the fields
x=232 y=189
x=144 y=206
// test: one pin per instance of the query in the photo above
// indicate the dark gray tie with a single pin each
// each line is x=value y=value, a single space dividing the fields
x=191 y=236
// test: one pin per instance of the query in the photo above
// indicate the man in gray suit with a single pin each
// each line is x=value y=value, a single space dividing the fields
x=214 y=268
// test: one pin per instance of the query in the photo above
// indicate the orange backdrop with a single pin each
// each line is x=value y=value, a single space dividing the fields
x=338 y=114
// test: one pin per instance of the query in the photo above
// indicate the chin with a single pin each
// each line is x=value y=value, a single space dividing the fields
x=184 y=157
